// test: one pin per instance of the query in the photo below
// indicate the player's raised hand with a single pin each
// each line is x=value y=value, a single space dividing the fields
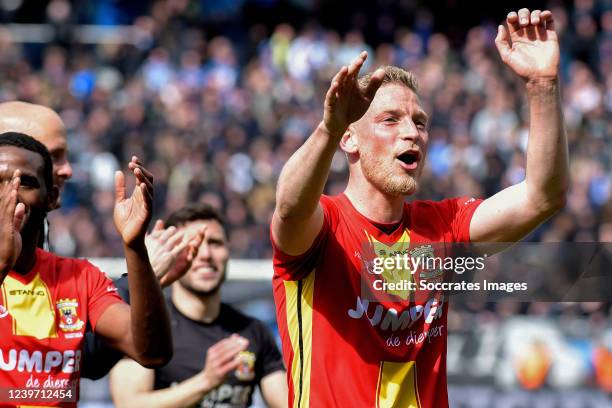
x=12 y=215
x=346 y=101
x=529 y=44
x=132 y=214
x=171 y=251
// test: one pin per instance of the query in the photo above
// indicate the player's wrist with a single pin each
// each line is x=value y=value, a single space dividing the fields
x=331 y=131
x=542 y=83
x=6 y=264
x=136 y=245
x=204 y=383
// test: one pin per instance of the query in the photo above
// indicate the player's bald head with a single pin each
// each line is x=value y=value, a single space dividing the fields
x=34 y=120
x=44 y=125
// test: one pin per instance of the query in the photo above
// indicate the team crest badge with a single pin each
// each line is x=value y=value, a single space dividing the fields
x=69 y=320
x=246 y=368
x=430 y=271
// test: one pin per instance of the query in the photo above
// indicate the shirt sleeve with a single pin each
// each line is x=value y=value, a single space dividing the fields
x=462 y=211
x=101 y=292
x=270 y=359
x=296 y=267
x=123 y=288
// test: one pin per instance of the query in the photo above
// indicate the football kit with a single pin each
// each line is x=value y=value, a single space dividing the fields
x=43 y=317
x=344 y=345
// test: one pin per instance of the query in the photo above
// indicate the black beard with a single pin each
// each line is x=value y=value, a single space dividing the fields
x=34 y=227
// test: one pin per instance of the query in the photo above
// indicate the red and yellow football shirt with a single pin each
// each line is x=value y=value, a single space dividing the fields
x=344 y=349
x=43 y=318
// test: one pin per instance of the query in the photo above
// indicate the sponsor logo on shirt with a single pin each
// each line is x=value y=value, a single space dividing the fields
x=227 y=396
x=393 y=320
x=26 y=292
x=40 y=361
x=69 y=320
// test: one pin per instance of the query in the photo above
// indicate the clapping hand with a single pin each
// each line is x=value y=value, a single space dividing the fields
x=171 y=251
x=12 y=215
x=132 y=214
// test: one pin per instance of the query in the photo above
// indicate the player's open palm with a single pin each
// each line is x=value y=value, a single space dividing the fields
x=183 y=256
x=529 y=44
x=172 y=251
x=12 y=216
x=223 y=357
x=346 y=101
x=132 y=214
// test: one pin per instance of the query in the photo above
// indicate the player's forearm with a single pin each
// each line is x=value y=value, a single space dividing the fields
x=150 y=324
x=273 y=389
x=182 y=395
x=303 y=178
x=547 y=173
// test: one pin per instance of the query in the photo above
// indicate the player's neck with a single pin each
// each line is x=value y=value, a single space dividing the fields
x=26 y=259
x=374 y=204
x=199 y=308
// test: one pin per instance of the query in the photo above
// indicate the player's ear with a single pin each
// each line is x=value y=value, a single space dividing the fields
x=349 y=143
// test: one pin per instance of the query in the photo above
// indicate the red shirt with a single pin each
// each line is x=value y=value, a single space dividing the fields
x=343 y=349
x=43 y=318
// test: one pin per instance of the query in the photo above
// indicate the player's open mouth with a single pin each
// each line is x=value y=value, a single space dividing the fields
x=410 y=159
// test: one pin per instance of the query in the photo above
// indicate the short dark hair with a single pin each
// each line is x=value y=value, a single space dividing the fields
x=194 y=212
x=24 y=141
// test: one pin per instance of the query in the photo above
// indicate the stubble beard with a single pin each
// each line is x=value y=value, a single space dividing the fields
x=383 y=178
x=34 y=225
x=187 y=285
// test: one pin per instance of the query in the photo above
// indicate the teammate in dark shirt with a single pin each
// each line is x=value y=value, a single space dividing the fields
x=171 y=253
x=219 y=353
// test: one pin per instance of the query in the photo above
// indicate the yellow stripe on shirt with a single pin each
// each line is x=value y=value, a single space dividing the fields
x=397 y=385
x=298 y=297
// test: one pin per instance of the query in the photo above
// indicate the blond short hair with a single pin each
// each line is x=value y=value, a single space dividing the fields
x=393 y=75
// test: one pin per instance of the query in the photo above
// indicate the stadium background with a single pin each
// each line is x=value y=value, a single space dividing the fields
x=215 y=95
